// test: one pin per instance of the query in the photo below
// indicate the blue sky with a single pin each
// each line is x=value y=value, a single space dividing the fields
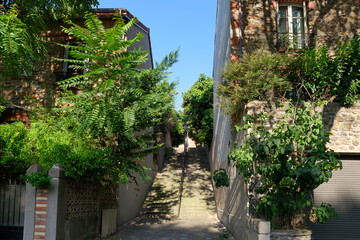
x=185 y=24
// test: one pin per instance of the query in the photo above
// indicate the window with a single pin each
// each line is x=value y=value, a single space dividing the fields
x=291 y=26
x=67 y=70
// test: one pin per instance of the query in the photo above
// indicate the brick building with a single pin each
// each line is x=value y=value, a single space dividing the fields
x=245 y=25
x=41 y=86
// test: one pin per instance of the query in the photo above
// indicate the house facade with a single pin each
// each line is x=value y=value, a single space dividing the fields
x=41 y=88
x=245 y=25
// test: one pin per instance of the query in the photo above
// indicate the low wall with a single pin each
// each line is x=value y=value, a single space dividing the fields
x=342 y=122
x=67 y=210
x=232 y=202
x=233 y=212
x=132 y=196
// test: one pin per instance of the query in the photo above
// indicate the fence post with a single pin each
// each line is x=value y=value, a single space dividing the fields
x=30 y=202
x=57 y=197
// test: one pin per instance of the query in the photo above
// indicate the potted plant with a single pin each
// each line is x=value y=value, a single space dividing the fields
x=283 y=164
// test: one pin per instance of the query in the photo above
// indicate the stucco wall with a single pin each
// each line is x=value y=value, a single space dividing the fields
x=221 y=133
x=231 y=203
x=144 y=43
x=131 y=196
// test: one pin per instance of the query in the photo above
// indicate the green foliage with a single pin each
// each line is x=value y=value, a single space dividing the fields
x=22 y=23
x=176 y=128
x=118 y=103
x=323 y=213
x=54 y=139
x=198 y=110
x=12 y=141
x=169 y=152
x=327 y=76
x=105 y=130
x=2 y=108
x=224 y=234
x=292 y=160
x=220 y=178
x=52 y=9
x=259 y=76
x=20 y=44
x=38 y=179
x=51 y=140
x=316 y=73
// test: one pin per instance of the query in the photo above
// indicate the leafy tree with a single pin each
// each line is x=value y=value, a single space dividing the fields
x=20 y=44
x=51 y=9
x=176 y=128
x=22 y=23
x=198 y=109
x=118 y=103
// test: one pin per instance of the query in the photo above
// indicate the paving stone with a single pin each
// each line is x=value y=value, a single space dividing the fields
x=159 y=218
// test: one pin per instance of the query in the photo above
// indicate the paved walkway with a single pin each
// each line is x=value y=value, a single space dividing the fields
x=160 y=220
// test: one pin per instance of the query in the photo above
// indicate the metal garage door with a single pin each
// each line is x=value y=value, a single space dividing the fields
x=343 y=193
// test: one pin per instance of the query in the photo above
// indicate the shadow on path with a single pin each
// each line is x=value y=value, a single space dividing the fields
x=159 y=220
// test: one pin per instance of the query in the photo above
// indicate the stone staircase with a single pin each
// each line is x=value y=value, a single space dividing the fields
x=160 y=219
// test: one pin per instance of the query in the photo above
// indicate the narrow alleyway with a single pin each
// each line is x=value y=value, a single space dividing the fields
x=163 y=219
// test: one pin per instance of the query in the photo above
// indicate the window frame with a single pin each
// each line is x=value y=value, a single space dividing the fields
x=289 y=22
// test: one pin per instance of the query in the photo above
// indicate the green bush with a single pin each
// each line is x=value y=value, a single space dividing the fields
x=12 y=141
x=48 y=142
x=54 y=139
x=320 y=74
x=291 y=160
x=38 y=179
x=259 y=76
x=221 y=178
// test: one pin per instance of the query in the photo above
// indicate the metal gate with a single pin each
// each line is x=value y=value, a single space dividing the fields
x=12 y=206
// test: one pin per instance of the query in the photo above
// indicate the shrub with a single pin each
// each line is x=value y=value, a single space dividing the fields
x=320 y=75
x=12 y=141
x=285 y=163
x=259 y=76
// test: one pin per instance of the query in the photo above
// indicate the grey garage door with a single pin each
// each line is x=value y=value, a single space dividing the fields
x=343 y=193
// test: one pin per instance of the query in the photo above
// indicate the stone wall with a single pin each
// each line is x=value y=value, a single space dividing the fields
x=342 y=122
x=258 y=24
x=326 y=22
x=329 y=20
x=40 y=88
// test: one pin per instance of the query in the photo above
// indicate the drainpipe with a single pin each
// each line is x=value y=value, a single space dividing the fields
x=240 y=32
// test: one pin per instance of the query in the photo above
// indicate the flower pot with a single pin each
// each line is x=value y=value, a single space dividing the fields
x=291 y=234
